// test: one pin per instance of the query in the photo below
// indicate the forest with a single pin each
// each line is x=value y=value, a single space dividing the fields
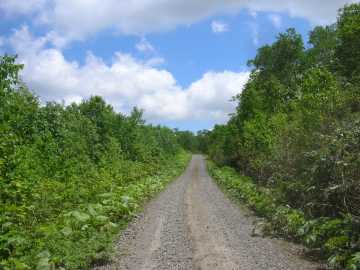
x=292 y=148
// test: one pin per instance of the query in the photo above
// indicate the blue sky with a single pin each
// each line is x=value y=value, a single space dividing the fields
x=181 y=61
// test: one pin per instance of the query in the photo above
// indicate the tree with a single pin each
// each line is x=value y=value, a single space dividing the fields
x=323 y=41
x=281 y=59
x=9 y=72
x=348 y=51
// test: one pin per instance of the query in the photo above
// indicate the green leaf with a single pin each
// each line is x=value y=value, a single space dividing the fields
x=44 y=261
x=66 y=231
x=82 y=217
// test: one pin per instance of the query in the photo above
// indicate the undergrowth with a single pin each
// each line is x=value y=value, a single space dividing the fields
x=78 y=237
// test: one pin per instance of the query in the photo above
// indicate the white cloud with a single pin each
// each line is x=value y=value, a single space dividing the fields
x=144 y=46
x=124 y=83
x=12 y=7
x=318 y=12
x=155 y=61
x=219 y=27
x=77 y=19
x=56 y=39
x=275 y=20
x=211 y=95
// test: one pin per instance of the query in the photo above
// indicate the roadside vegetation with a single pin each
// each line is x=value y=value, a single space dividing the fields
x=293 y=143
x=72 y=176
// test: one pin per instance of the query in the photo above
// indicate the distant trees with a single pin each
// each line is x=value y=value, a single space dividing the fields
x=188 y=140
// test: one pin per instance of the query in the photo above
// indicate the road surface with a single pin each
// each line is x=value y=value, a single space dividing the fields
x=192 y=225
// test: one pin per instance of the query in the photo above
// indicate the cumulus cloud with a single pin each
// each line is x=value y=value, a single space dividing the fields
x=76 y=19
x=124 y=83
x=210 y=96
x=219 y=27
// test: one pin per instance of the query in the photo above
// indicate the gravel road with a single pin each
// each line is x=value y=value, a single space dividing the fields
x=192 y=225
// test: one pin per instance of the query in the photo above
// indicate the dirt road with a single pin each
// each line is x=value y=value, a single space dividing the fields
x=192 y=225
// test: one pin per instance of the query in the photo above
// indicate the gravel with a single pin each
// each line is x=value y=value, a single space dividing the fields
x=192 y=225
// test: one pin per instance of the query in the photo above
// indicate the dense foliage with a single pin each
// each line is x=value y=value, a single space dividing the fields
x=71 y=176
x=296 y=129
x=188 y=140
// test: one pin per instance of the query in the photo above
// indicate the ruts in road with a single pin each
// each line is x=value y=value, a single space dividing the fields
x=192 y=225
